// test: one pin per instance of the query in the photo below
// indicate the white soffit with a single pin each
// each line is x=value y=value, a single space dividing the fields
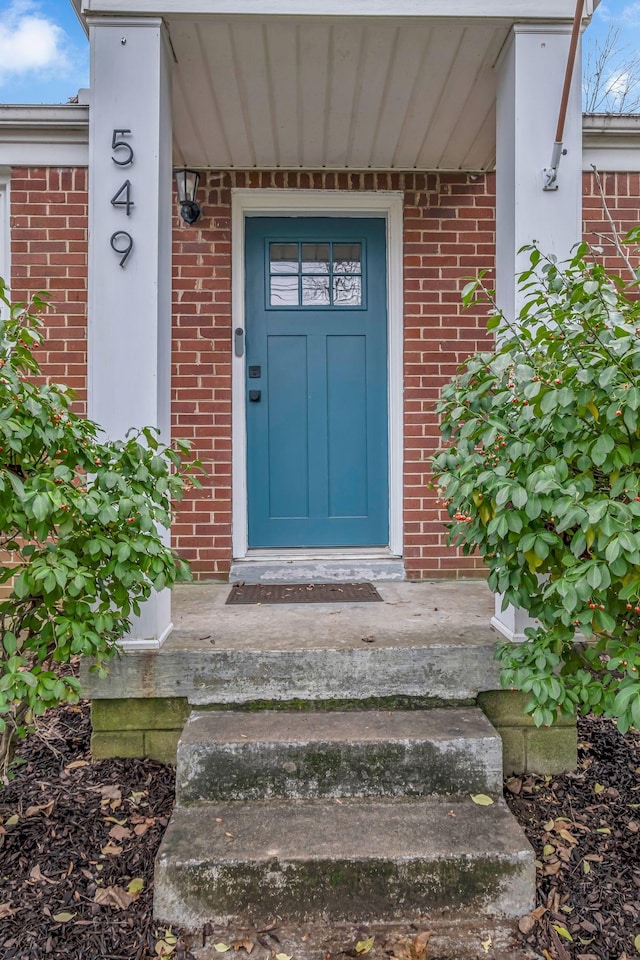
x=356 y=93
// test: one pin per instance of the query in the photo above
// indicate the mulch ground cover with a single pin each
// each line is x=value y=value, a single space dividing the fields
x=585 y=830
x=78 y=841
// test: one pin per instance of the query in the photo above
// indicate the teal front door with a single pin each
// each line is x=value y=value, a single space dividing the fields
x=316 y=355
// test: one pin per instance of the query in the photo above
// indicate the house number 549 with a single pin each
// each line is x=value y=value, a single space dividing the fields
x=122 y=241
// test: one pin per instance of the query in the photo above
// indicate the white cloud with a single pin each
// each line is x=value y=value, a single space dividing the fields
x=618 y=85
x=629 y=15
x=30 y=43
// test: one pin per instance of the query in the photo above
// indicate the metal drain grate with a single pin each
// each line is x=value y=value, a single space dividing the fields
x=303 y=593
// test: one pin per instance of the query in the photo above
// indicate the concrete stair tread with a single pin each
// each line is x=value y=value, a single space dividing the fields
x=302 y=727
x=257 y=756
x=355 y=859
x=357 y=828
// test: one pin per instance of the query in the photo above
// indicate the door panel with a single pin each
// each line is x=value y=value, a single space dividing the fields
x=316 y=335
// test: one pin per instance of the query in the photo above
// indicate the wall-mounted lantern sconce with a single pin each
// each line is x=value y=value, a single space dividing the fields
x=187 y=185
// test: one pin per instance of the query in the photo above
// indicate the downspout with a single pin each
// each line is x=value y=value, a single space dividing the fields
x=551 y=172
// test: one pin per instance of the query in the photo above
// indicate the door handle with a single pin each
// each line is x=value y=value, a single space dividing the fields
x=255 y=396
x=238 y=341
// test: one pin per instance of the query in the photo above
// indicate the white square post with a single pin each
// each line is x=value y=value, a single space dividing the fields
x=130 y=172
x=530 y=76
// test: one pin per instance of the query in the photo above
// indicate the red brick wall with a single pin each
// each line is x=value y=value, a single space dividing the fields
x=201 y=378
x=49 y=252
x=449 y=236
x=622 y=192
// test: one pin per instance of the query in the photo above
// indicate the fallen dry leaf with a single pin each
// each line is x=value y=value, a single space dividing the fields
x=526 y=924
x=45 y=808
x=164 y=949
x=6 y=910
x=247 y=945
x=110 y=796
x=38 y=876
x=418 y=949
x=364 y=946
x=77 y=763
x=120 y=833
x=481 y=799
x=113 y=897
x=111 y=849
x=63 y=917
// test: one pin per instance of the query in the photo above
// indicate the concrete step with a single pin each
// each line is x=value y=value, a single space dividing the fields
x=251 y=756
x=462 y=939
x=361 y=859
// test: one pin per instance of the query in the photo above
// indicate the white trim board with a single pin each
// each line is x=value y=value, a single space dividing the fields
x=504 y=9
x=5 y=233
x=327 y=203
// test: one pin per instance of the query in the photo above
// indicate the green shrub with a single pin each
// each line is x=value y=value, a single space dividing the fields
x=80 y=529
x=540 y=475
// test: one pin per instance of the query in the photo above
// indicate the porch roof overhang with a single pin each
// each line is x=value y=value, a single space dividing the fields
x=336 y=84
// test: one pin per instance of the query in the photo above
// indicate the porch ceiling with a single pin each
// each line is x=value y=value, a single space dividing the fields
x=338 y=94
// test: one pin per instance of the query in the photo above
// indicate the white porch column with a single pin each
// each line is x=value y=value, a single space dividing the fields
x=130 y=295
x=530 y=77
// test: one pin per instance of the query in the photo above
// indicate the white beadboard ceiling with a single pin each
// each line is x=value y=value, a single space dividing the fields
x=335 y=93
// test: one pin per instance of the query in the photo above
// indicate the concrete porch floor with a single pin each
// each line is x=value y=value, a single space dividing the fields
x=431 y=640
x=425 y=613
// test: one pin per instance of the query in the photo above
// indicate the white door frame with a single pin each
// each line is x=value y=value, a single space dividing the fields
x=327 y=203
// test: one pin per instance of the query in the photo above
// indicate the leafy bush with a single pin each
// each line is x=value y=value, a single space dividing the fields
x=80 y=530
x=540 y=475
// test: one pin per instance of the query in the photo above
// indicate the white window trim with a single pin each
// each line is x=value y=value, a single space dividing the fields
x=334 y=203
x=5 y=231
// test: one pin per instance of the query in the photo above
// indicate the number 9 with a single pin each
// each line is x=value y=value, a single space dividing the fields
x=128 y=245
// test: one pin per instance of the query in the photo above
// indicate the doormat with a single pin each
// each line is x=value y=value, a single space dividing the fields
x=303 y=593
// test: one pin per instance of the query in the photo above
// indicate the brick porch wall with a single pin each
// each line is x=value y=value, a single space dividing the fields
x=622 y=192
x=449 y=236
x=49 y=252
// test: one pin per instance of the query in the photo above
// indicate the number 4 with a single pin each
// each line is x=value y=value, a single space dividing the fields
x=125 y=193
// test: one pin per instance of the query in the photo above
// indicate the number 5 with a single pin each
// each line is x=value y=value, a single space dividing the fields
x=117 y=144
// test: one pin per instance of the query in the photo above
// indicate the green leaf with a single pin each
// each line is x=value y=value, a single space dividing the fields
x=562 y=932
x=519 y=497
x=10 y=642
x=601 y=449
x=41 y=506
x=481 y=799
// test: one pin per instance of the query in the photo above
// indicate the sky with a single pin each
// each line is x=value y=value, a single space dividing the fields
x=44 y=53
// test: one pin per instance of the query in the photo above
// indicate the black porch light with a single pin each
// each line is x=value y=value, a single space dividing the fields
x=187 y=185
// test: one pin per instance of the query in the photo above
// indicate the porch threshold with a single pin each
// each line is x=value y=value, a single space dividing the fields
x=262 y=566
